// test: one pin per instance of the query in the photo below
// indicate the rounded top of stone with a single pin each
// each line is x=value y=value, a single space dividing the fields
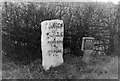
x=88 y=38
x=55 y=20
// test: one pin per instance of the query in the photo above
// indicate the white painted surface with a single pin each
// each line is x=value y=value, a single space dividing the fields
x=52 y=43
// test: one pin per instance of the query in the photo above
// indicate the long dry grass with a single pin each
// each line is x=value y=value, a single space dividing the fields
x=104 y=67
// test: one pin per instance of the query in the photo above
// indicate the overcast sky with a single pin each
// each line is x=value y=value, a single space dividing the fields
x=114 y=1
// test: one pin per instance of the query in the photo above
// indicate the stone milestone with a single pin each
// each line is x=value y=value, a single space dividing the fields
x=87 y=47
x=52 y=43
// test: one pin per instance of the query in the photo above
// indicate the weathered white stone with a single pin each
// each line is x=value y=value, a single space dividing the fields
x=0 y=74
x=87 y=43
x=52 y=43
x=87 y=57
x=87 y=47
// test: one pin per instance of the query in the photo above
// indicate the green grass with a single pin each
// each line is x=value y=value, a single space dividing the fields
x=72 y=68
